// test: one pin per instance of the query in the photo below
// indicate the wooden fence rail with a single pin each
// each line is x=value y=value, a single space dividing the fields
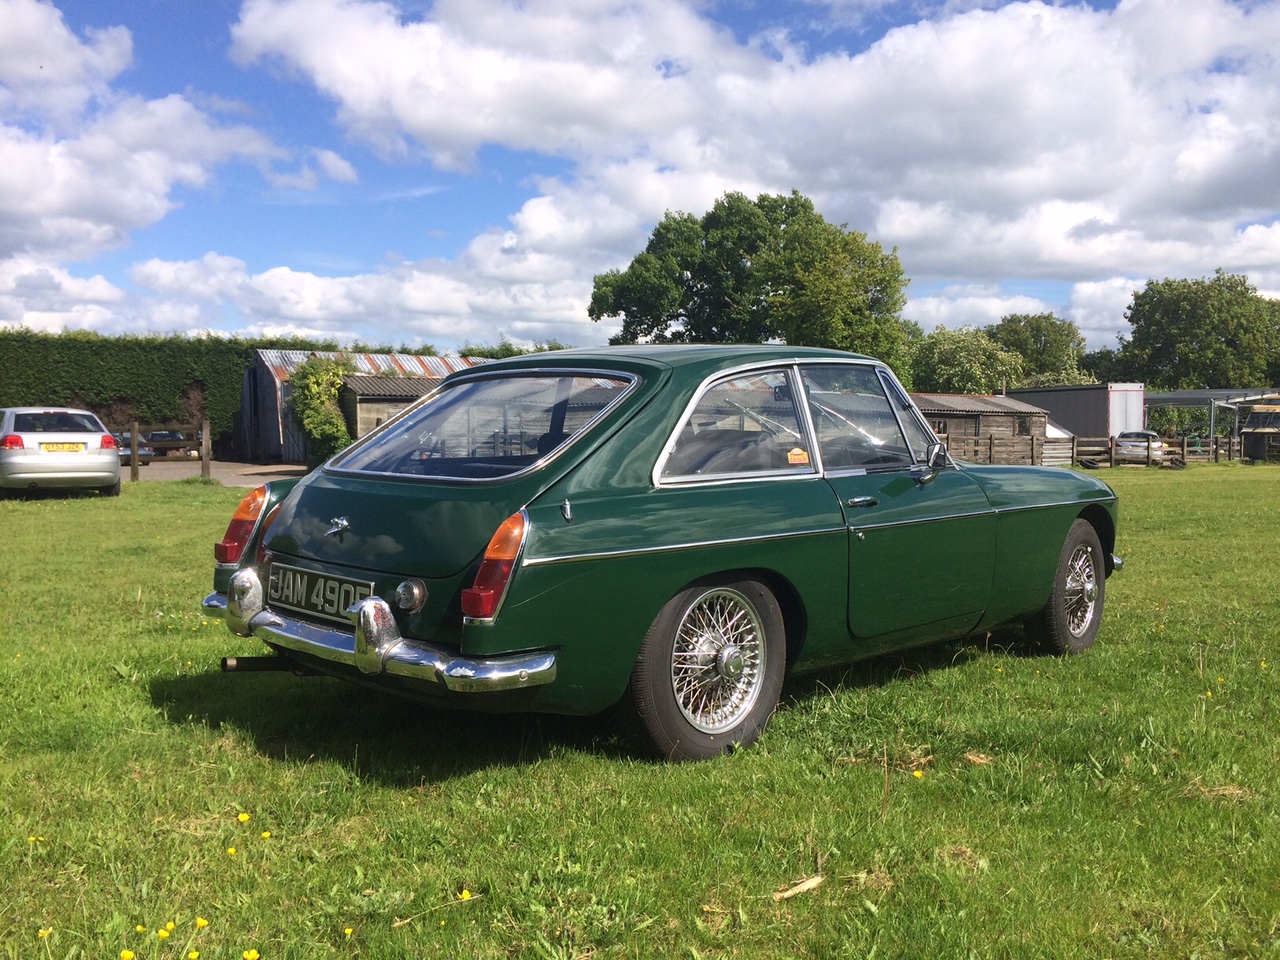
x=199 y=445
x=1062 y=453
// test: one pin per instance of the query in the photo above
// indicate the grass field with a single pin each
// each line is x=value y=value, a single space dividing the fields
x=961 y=800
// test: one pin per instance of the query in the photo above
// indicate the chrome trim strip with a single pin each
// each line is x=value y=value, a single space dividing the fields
x=375 y=646
x=789 y=364
x=914 y=523
x=670 y=548
x=1054 y=503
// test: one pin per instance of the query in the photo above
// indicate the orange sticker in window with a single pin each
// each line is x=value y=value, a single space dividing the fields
x=797 y=456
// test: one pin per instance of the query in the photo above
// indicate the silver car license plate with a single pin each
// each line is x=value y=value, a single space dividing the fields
x=313 y=593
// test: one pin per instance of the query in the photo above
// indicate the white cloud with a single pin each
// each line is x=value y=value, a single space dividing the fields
x=1098 y=308
x=1027 y=141
x=81 y=165
x=969 y=306
x=989 y=141
x=47 y=71
x=431 y=301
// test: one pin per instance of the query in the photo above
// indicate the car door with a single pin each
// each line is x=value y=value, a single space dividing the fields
x=921 y=543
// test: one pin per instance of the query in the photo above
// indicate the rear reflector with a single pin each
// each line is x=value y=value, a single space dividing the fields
x=231 y=547
x=480 y=601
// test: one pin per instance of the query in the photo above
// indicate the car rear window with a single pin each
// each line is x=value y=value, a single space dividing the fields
x=55 y=421
x=488 y=427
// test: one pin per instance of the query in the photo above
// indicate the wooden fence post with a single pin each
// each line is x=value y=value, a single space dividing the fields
x=133 y=453
x=204 y=448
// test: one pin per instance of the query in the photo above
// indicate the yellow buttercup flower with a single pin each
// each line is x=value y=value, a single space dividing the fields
x=193 y=955
x=348 y=931
x=250 y=955
x=140 y=928
x=201 y=923
x=231 y=851
x=918 y=774
x=126 y=955
x=162 y=933
x=44 y=932
x=266 y=834
x=242 y=817
x=170 y=925
x=465 y=894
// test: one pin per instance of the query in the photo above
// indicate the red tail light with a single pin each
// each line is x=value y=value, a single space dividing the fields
x=480 y=600
x=233 y=542
x=11 y=442
x=108 y=442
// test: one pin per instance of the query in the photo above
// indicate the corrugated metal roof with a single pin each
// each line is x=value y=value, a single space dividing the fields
x=283 y=362
x=391 y=388
x=963 y=403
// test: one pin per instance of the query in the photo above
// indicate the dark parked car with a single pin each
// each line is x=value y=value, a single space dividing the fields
x=170 y=443
x=668 y=528
x=124 y=441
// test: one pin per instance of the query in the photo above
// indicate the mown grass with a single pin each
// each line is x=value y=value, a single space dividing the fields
x=961 y=800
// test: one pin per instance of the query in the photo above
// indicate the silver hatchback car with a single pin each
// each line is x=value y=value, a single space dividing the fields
x=58 y=447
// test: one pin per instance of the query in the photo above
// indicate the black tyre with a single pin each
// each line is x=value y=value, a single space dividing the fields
x=112 y=491
x=709 y=671
x=1069 y=622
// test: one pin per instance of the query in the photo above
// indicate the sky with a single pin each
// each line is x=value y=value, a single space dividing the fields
x=457 y=171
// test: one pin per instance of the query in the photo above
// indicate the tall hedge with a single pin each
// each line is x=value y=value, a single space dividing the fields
x=151 y=379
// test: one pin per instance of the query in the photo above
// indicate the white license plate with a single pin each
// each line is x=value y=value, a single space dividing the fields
x=310 y=592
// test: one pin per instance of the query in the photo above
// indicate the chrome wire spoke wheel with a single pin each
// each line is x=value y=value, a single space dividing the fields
x=717 y=660
x=1081 y=590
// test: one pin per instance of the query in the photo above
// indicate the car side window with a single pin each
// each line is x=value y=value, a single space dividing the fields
x=743 y=425
x=854 y=419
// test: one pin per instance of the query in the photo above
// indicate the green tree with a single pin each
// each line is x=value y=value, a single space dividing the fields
x=752 y=271
x=1209 y=333
x=1050 y=348
x=964 y=360
x=315 y=385
x=1105 y=365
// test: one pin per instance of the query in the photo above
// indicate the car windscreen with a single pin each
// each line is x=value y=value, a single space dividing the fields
x=55 y=421
x=488 y=427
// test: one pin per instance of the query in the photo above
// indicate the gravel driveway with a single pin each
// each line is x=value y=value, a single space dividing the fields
x=229 y=474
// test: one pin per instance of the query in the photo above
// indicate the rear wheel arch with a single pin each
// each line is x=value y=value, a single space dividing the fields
x=710 y=670
x=1105 y=528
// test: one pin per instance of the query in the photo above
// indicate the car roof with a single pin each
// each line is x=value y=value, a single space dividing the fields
x=50 y=409
x=701 y=358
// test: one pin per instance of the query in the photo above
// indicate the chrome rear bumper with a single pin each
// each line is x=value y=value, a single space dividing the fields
x=375 y=645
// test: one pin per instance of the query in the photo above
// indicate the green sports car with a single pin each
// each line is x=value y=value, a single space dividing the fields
x=671 y=529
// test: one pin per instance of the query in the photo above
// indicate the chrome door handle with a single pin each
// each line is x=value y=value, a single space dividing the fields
x=861 y=502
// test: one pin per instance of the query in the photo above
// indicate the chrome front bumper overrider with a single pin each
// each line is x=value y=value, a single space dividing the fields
x=375 y=645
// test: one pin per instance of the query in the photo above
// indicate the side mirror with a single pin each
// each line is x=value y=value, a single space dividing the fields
x=935 y=458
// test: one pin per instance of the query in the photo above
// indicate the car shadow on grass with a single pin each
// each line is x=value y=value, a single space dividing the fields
x=379 y=736
x=401 y=743
x=886 y=668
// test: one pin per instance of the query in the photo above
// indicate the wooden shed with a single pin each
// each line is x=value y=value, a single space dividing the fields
x=367 y=402
x=961 y=415
x=265 y=430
